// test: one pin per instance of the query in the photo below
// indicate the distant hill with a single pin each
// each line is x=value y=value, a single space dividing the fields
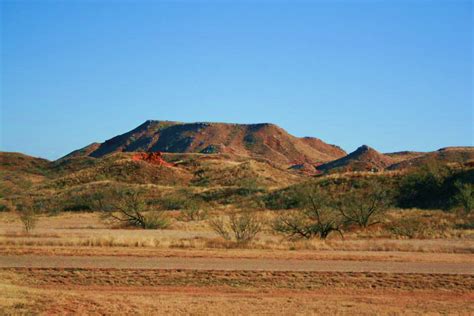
x=366 y=158
x=264 y=140
x=459 y=155
x=85 y=151
x=19 y=173
x=18 y=162
x=363 y=158
x=404 y=155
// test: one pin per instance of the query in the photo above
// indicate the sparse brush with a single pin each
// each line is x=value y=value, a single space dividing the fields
x=420 y=226
x=242 y=227
x=130 y=208
x=156 y=220
x=219 y=226
x=364 y=204
x=6 y=206
x=193 y=214
x=28 y=212
x=29 y=220
x=315 y=218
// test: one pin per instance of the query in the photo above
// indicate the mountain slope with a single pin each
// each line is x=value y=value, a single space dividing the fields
x=457 y=155
x=251 y=140
x=10 y=161
x=363 y=158
x=404 y=155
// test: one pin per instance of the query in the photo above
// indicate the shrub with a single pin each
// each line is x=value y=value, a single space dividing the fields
x=29 y=220
x=465 y=196
x=420 y=226
x=364 y=204
x=193 y=214
x=282 y=199
x=155 y=220
x=435 y=186
x=249 y=186
x=6 y=206
x=200 y=178
x=423 y=187
x=242 y=227
x=316 y=217
x=172 y=203
x=130 y=208
x=225 y=195
x=28 y=210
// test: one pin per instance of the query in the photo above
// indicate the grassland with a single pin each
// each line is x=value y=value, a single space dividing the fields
x=204 y=290
x=77 y=259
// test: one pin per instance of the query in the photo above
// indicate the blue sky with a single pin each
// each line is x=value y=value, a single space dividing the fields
x=396 y=75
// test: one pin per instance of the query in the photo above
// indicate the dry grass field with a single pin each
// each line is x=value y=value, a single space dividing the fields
x=77 y=265
x=142 y=170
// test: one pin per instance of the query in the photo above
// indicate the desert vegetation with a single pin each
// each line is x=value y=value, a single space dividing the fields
x=232 y=211
x=322 y=206
x=240 y=227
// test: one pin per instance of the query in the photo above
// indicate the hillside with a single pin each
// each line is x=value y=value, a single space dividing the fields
x=266 y=141
x=23 y=163
x=363 y=158
x=404 y=155
x=21 y=174
x=458 y=155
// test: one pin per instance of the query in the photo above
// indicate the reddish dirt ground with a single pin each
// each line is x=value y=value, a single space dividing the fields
x=229 y=264
x=203 y=292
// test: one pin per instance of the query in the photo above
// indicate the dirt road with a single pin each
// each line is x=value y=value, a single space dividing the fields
x=233 y=264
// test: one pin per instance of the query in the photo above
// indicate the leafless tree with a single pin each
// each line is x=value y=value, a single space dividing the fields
x=128 y=206
x=243 y=227
x=315 y=218
x=365 y=204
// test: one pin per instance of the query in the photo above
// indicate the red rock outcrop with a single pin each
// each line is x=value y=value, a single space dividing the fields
x=155 y=158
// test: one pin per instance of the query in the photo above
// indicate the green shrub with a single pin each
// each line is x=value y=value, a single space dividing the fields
x=155 y=220
x=173 y=203
x=282 y=199
x=193 y=214
x=465 y=196
x=6 y=206
x=420 y=226
x=435 y=186
x=226 y=195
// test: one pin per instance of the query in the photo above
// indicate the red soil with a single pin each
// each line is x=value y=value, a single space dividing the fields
x=155 y=158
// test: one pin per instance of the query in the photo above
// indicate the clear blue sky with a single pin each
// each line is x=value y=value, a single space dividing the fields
x=396 y=75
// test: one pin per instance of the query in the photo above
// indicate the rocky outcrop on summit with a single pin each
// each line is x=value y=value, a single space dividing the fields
x=263 y=140
x=363 y=158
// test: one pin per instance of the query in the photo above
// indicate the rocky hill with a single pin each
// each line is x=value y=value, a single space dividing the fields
x=456 y=155
x=363 y=158
x=404 y=155
x=264 y=140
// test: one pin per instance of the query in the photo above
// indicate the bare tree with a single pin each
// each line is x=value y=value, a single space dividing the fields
x=243 y=227
x=28 y=212
x=365 y=204
x=315 y=218
x=130 y=208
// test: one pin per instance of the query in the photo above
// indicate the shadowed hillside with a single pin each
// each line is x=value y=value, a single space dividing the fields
x=363 y=158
